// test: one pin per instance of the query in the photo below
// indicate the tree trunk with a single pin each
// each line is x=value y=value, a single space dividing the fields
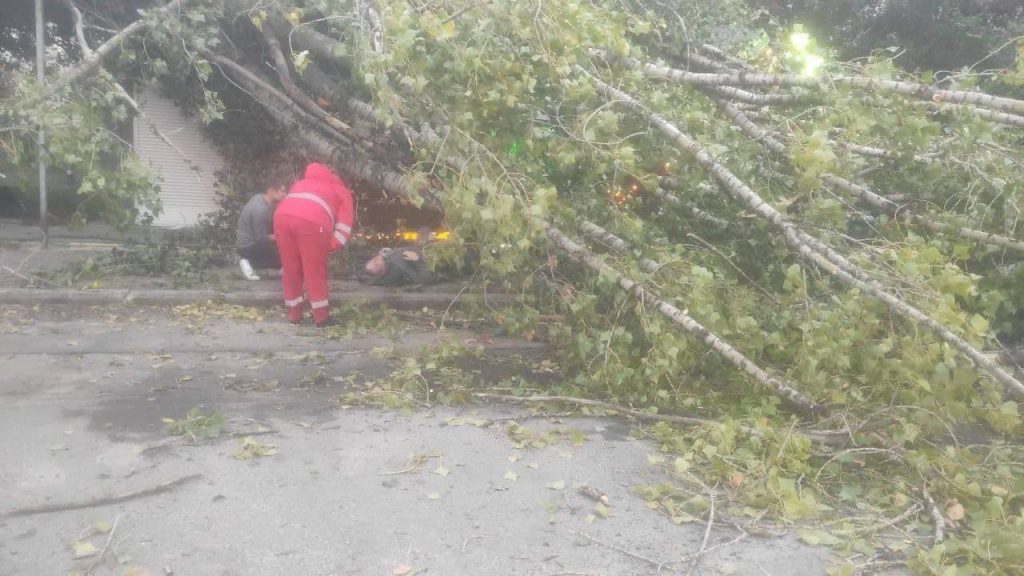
x=340 y=154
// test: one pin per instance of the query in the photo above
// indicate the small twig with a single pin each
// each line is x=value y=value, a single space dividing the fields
x=655 y=563
x=400 y=472
x=707 y=551
x=99 y=559
x=30 y=277
x=821 y=437
x=105 y=501
x=867 y=450
x=693 y=421
x=417 y=461
x=179 y=440
x=878 y=565
x=454 y=300
x=707 y=534
x=940 y=533
x=466 y=542
x=721 y=255
x=881 y=525
x=461 y=12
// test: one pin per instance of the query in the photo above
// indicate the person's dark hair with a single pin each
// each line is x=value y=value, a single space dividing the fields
x=281 y=177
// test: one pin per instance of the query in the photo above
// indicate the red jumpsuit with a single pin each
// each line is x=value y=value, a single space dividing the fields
x=314 y=219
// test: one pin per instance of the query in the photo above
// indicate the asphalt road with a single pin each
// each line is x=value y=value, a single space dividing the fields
x=349 y=491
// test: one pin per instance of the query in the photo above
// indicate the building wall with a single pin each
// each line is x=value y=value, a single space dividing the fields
x=185 y=193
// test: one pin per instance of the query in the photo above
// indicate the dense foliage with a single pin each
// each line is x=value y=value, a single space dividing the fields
x=927 y=34
x=504 y=113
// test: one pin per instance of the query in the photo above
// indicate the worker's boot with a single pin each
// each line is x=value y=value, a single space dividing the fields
x=327 y=322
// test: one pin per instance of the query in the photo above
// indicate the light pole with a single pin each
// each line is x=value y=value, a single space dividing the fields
x=41 y=76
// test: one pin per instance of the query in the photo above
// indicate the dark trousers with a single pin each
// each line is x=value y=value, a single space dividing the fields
x=262 y=255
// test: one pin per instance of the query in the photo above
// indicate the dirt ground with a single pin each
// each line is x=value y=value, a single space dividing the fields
x=346 y=491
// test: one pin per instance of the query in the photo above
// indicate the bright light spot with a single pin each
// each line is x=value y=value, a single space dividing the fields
x=800 y=40
x=811 y=64
x=413 y=236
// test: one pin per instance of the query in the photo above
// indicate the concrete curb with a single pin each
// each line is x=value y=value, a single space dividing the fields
x=396 y=300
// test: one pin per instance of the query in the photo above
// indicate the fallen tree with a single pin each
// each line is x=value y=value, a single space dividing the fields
x=828 y=246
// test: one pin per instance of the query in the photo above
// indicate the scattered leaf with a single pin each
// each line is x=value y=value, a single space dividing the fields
x=249 y=448
x=954 y=510
x=441 y=471
x=84 y=550
x=602 y=510
x=816 y=537
x=577 y=437
x=655 y=459
x=727 y=568
x=434 y=496
x=559 y=485
x=682 y=465
x=736 y=479
x=512 y=476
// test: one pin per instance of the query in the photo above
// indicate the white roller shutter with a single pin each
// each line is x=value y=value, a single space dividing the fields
x=185 y=194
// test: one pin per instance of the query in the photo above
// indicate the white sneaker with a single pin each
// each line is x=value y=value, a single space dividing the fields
x=247 y=270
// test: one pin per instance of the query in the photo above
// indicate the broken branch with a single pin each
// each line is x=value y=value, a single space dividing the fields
x=105 y=501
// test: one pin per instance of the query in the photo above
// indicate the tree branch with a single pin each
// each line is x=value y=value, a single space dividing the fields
x=87 y=52
x=793 y=397
x=810 y=248
x=759 y=134
x=91 y=63
x=910 y=89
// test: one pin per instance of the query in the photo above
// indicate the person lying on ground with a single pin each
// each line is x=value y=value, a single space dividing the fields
x=254 y=237
x=401 y=266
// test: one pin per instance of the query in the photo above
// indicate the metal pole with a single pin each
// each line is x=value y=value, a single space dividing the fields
x=41 y=76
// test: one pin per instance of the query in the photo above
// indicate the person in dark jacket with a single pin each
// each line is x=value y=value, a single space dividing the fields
x=401 y=266
x=254 y=235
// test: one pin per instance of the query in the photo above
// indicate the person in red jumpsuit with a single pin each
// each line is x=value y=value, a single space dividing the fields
x=313 y=220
